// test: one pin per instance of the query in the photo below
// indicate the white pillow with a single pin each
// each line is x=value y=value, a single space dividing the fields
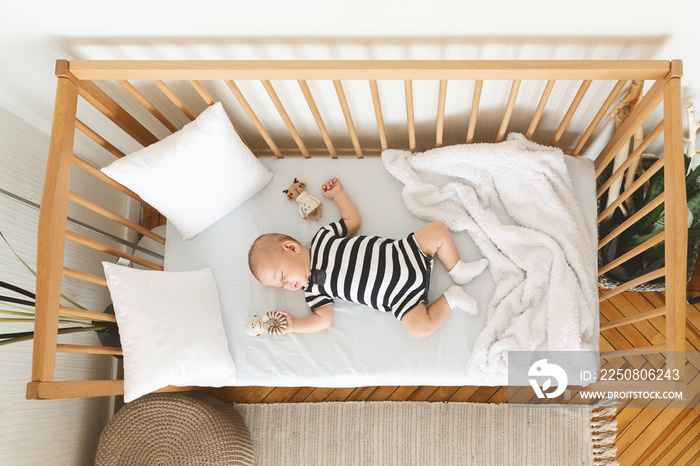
x=196 y=175
x=170 y=328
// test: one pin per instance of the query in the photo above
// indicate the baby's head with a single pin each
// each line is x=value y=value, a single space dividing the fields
x=279 y=260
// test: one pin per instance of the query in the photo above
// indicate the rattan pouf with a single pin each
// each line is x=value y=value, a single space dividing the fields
x=175 y=429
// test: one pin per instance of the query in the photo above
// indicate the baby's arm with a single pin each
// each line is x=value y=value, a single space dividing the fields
x=319 y=320
x=332 y=189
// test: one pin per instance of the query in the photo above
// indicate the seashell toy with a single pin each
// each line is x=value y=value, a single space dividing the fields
x=272 y=323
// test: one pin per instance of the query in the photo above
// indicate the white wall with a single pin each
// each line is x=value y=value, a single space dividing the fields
x=32 y=38
x=60 y=432
x=35 y=33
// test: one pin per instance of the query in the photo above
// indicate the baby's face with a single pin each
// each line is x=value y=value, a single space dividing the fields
x=285 y=268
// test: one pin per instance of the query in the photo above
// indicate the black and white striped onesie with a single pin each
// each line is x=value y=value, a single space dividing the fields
x=385 y=274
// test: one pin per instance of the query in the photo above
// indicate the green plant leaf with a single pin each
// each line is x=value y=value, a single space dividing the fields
x=9 y=338
x=656 y=187
x=61 y=331
x=694 y=207
x=17 y=255
x=12 y=300
x=637 y=240
x=31 y=319
x=20 y=307
x=658 y=250
x=690 y=179
x=654 y=222
x=17 y=313
x=14 y=319
x=13 y=335
x=34 y=273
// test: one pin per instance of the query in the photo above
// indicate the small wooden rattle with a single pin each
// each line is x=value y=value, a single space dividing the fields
x=273 y=323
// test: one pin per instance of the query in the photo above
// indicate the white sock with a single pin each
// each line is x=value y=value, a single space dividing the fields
x=463 y=272
x=457 y=297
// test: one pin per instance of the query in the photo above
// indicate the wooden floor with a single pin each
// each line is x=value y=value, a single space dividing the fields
x=646 y=436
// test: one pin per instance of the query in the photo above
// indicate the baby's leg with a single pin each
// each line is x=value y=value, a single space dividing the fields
x=423 y=320
x=435 y=238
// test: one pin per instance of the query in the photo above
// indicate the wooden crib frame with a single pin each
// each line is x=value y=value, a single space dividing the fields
x=76 y=79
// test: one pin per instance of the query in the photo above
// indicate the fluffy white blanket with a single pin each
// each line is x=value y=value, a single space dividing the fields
x=516 y=200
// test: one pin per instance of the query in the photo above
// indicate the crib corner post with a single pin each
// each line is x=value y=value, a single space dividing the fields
x=676 y=247
x=63 y=71
x=676 y=68
x=52 y=227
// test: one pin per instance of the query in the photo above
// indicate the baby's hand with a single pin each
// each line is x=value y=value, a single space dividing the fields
x=290 y=322
x=331 y=188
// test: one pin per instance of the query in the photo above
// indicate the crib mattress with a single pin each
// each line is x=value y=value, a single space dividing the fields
x=363 y=347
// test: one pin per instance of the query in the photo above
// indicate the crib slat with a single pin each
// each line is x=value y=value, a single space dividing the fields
x=658 y=165
x=570 y=113
x=408 y=84
x=285 y=117
x=632 y=283
x=85 y=349
x=509 y=110
x=633 y=352
x=441 y=113
x=210 y=101
x=83 y=128
x=112 y=216
x=599 y=116
x=96 y=245
x=634 y=252
x=175 y=99
x=85 y=314
x=641 y=112
x=540 y=108
x=147 y=105
x=378 y=112
x=251 y=114
x=317 y=116
x=659 y=311
x=202 y=92
x=102 y=177
x=348 y=118
x=632 y=158
x=84 y=276
x=109 y=108
x=630 y=221
x=478 y=85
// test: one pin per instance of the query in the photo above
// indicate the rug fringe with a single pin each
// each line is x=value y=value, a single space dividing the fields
x=604 y=425
x=607 y=459
x=604 y=432
x=606 y=403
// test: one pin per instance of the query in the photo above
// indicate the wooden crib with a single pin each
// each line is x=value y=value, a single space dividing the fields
x=78 y=79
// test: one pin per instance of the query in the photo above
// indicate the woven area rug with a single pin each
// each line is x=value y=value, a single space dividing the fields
x=421 y=433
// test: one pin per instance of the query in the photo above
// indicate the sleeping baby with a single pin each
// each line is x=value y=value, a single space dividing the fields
x=385 y=274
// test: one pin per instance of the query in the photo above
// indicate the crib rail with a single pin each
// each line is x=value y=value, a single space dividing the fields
x=79 y=80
